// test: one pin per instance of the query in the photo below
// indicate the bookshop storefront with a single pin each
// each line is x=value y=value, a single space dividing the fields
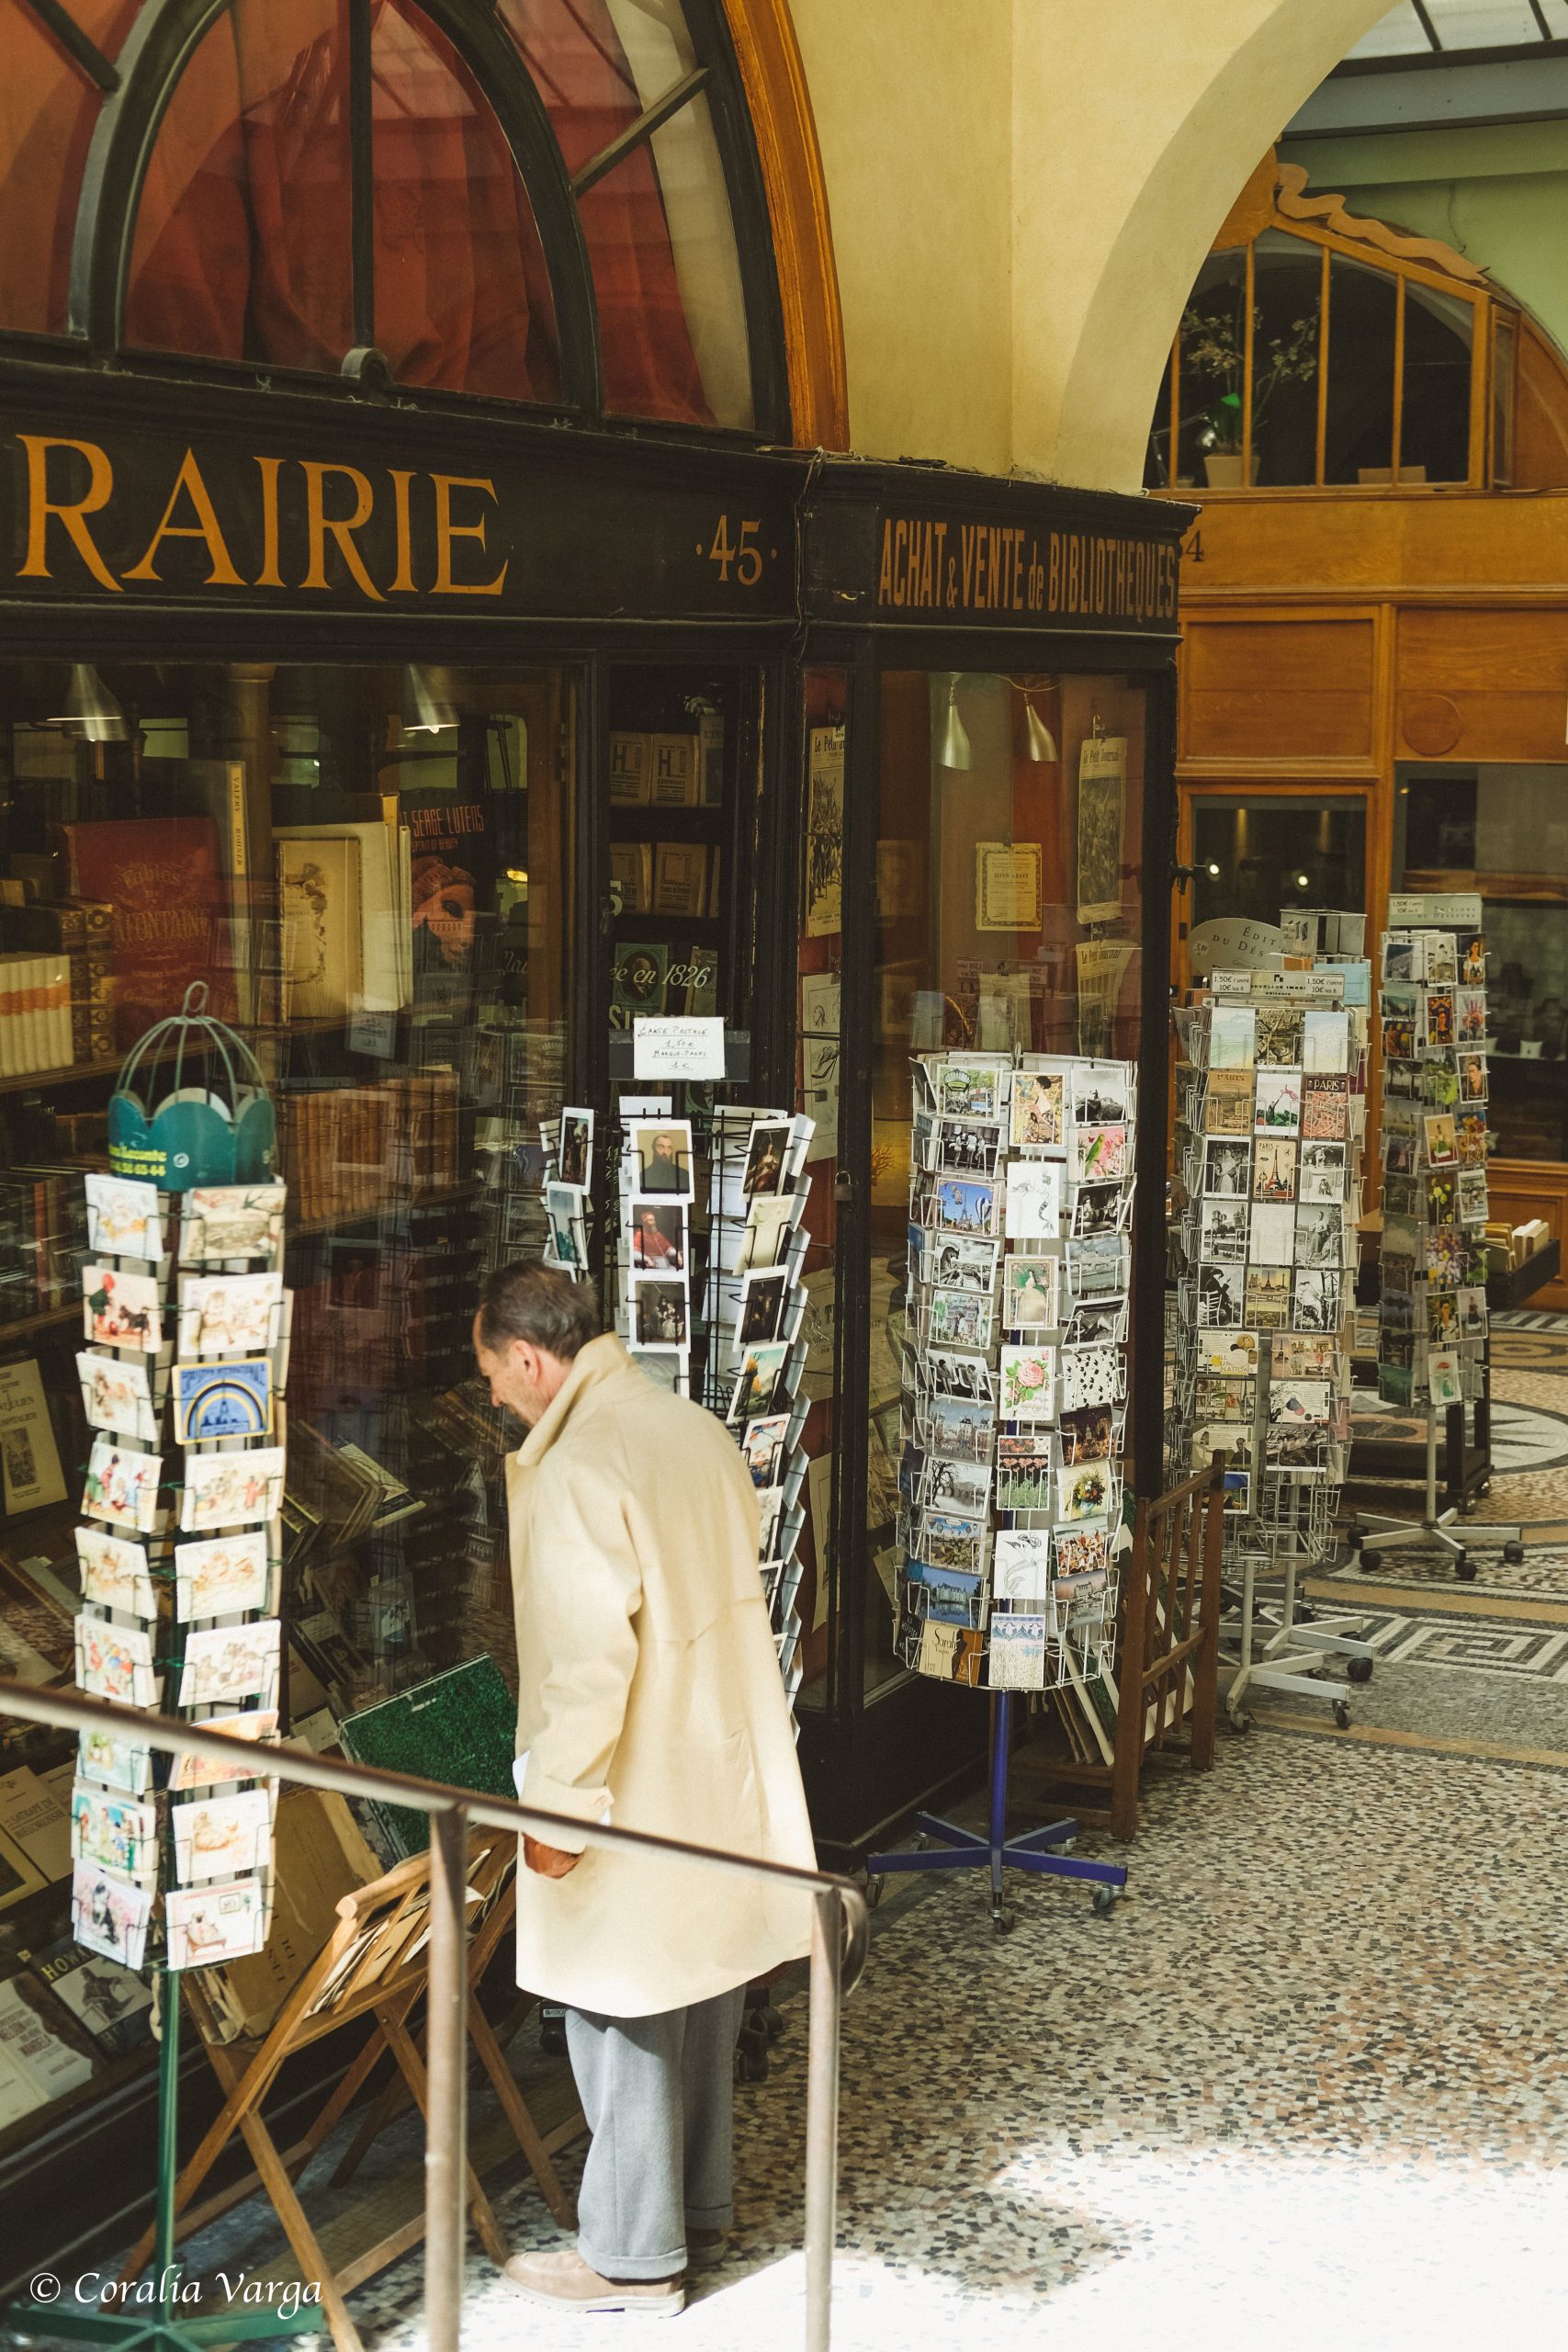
x=439 y=737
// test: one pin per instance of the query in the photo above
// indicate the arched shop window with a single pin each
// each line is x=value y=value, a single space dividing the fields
x=1321 y=350
x=554 y=202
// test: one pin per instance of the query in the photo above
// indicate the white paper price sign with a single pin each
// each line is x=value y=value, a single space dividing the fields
x=689 y=1048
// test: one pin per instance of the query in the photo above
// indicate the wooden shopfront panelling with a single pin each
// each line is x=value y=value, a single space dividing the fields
x=1284 y=691
x=1482 y=685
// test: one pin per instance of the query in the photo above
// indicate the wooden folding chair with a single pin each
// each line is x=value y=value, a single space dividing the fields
x=375 y=1963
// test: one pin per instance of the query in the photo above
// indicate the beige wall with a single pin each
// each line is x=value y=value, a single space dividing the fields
x=1022 y=192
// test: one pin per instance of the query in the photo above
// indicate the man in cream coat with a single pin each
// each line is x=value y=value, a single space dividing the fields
x=649 y=1696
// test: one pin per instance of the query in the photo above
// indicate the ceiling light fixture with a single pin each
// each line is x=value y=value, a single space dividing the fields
x=91 y=710
x=953 y=751
x=427 y=710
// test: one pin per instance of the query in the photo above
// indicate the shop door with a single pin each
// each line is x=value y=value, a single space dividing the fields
x=1256 y=853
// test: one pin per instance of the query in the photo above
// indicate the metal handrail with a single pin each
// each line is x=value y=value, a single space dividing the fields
x=840 y=1937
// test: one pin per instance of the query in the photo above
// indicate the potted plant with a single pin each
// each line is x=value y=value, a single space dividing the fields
x=1212 y=351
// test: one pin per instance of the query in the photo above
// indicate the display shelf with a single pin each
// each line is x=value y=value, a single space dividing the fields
x=45 y=1320
x=442 y=1196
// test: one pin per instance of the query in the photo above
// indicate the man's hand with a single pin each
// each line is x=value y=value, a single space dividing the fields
x=548 y=1860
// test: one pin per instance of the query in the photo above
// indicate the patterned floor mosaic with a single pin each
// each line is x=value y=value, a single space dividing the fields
x=1306 y=2077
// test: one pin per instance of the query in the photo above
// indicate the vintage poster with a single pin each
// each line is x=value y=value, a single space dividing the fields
x=825 y=833
x=1102 y=794
x=1008 y=885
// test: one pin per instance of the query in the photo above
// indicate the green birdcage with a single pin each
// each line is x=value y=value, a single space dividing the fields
x=215 y=1123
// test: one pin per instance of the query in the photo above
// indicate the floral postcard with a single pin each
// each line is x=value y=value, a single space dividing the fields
x=1099 y=1155
x=109 y=1915
x=1025 y=1472
x=115 y=1573
x=1027 y=1386
x=224 y=1490
x=1085 y=1490
x=1017 y=1658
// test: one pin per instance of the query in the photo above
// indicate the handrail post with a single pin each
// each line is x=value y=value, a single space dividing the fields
x=446 y=2148
x=822 y=2117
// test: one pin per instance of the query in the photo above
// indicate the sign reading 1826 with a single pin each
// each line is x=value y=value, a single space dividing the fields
x=1024 y=572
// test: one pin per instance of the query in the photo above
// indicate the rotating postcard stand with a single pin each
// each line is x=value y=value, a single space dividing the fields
x=1014 y=1407
x=1432 y=1311
x=186 y=1331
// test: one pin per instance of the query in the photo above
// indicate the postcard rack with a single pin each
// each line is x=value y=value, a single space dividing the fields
x=702 y=1240
x=1432 y=1314
x=1014 y=1407
x=1271 y=1120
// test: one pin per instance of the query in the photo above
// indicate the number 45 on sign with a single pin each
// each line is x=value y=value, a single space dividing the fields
x=741 y=550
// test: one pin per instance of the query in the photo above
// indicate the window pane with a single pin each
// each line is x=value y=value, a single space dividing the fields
x=1255 y=856
x=660 y=242
x=1358 y=443
x=1502 y=402
x=1213 y=345
x=243 y=240
x=1287 y=299
x=48 y=109
x=1439 y=334
x=462 y=294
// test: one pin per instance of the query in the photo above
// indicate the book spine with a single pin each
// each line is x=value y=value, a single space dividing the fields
x=7 y=1016
x=97 y=918
x=62 y=1050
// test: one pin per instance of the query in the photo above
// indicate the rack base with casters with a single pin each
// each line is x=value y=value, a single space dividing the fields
x=1376 y=1532
x=944 y=1845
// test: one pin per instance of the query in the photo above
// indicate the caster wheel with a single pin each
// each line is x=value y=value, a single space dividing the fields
x=1464 y=1568
x=875 y=1890
x=1486 y=1489
x=772 y=2021
x=1105 y=1900
x=1359 y=1669
x=1355 y=1537
x=552 y=2039
x=1243 y=1723
x=1004 y=1922
x=1514 y=1553
x=1342 y=1714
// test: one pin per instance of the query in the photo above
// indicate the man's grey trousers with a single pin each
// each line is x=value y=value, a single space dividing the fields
x=659 y=2094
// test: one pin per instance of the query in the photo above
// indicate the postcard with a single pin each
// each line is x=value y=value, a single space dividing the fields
x=1033 y=1203
x=226 y=1664
x=1273 y=1235
x=1321 y=1175
x=1026 y=1389
x=960 y=1318
x=953 y=1373
x=1399 y=1040
x=1025 y=1472
x=566 y=1214
x=967 y=1207
x=125 y=1219
x=122 y=1310
x=224 y=1490
x=115 y=1762
x=1098 y=1325
x=1017 y=1655
x=966 y=1148
x=1099 y=1155
x=229 y=1314
x=110 y=1915
x=769 y=1229
x=961 y=1263
x=767 y=1159
x=1232 y=1037
x=1091 y=1376
x=1398 y=955
x=1227 y=1103
x=1220 y=1291
x=945 y=1594
x=115 y=1832
x=1472 y=1077
x=1227 y=1169
x=1228 y=1353
x=760 y=1386
x=1100 y=1208
x=116 y=1662
x=115 y=1573
x=1038 y=1121
x=218 y=1400
x=122 y=1485
x=661 y=1311
x=658 y=1230
x=1216 y=1398
x=1085 y=1490
x=660 y=1153
x=1320 y=1236
x=1278 y=1036
x=1030 y=1293
x=209 y=1925
x=1238 y=1492
x=1474 y=1199
x=223 y=1574
x=1274 y=1168
x=1293 y=1400
x=963 y=1486
x=948 y=1540
x=1103 y=1094
x=116 y=1393
x=1439 y=1140
x=1444 y=1377
x=1099 y=1265
x=230 y=1221
x=1317 y=1297
x=191 y=1772
x=971 y=1087
x=762 y=1447
x=1278 y=1102
x=1082 y=1552
x=1223 y=1230
x=1470 y=1016
x=219 y=1836
x=957 y=1427
x=764 y=1300
x=574 y=1146
x=1266 y=1297
x=1326 y=1108
x=1088 y=1433
x=1325 y=1041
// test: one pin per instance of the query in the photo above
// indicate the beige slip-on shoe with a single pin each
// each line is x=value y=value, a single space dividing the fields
x=568 y=2283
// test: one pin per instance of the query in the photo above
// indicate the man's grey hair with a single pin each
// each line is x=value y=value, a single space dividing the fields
x=540 y=1304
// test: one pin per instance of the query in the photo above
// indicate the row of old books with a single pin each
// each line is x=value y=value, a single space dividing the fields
x=661 y=771
x=43 y=1235
x=348 y=1149
x=57 y=993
